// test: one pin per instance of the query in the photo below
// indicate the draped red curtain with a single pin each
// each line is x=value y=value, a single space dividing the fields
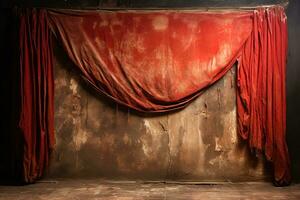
x=37 y=93
x=152 y=61
x=261 y=99
x=156 y=62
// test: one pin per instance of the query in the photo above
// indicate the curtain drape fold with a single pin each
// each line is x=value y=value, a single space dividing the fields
x=261 y=98
x=37 y=93
x=154 y=61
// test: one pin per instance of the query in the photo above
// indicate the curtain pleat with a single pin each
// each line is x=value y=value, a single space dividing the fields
x=37 y=93
x=261 y=99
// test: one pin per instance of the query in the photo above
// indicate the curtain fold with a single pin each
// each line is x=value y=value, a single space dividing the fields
x=152 y=61
x=37 y=93
x=157 y=62
x=261 y=99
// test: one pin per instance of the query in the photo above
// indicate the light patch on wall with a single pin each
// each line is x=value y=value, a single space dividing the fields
x=218 y=146
x=230 y=124
x=73 y=86
x=155 y=128
x=219 y=161
x=79 y=138
x=150 y=130
x=160 y=23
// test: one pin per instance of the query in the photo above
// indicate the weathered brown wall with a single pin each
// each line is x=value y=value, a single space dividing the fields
x=98 y=138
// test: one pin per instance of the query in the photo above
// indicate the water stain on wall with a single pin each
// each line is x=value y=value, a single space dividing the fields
x=98 y=138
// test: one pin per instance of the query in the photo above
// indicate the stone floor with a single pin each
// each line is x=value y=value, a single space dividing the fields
x=95 y=189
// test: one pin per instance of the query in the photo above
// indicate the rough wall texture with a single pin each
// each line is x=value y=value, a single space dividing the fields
x=98 y=138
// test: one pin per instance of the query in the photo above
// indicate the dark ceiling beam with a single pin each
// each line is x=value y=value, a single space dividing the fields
x=138 y=4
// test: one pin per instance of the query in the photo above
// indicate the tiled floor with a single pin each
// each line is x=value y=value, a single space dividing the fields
x=96 y=189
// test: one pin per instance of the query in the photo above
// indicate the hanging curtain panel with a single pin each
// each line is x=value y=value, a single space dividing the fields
x=37 y=93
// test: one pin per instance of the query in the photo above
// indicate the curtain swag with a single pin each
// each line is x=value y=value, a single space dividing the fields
x=158 y=61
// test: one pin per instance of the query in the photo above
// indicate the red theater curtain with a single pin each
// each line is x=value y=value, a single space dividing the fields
x=161 y=60
x=36 y=119
x=152 y=61
x=261 y=95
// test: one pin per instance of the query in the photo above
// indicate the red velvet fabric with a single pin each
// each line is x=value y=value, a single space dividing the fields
x=37 y=90
x=152 y=61
x=157 y=61
x=261 y=95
